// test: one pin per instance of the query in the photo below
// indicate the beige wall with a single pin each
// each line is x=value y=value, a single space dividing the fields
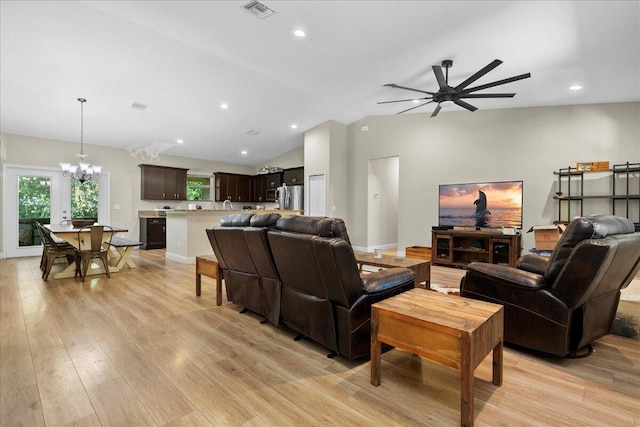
x=325 y=151
x=488 y=145
x=121 y=165
x=292 y=159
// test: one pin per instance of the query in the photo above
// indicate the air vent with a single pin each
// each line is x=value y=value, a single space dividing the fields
x=253 y=132
x=260 y=10
x=139 y=106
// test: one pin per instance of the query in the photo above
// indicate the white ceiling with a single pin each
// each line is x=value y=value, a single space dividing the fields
x=185 y=58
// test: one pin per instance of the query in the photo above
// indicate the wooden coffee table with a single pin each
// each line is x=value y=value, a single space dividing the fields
x=455 y=331
x=421 y=267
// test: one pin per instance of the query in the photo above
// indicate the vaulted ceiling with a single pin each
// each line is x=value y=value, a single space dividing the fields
x=184 y=59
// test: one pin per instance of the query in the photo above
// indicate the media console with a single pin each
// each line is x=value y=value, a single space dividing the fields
x=458 y=247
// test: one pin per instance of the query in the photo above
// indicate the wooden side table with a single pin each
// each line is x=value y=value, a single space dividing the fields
x=208 y=265
x=455 y=331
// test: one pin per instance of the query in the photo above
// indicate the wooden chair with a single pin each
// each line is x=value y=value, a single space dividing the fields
x=54 y=248
x=94 y=248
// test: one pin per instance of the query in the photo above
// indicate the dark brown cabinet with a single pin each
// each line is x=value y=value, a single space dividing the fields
x=163 y=183
x=153 y=233
x=233 y=187
x=294 y=176
x=459 y=248
x=264 y=187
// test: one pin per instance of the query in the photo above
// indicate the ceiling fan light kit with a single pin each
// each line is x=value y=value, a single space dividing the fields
x=457 y=94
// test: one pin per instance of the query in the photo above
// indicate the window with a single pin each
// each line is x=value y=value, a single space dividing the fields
x=198 y=187
x=34 y=204
x=84 y=199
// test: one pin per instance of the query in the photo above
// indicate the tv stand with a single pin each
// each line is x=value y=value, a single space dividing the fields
x=457 y=248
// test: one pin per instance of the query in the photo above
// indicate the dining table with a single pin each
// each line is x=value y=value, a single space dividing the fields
x=74 y=236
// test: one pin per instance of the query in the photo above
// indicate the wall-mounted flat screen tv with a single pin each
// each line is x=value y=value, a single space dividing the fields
x=485 y=204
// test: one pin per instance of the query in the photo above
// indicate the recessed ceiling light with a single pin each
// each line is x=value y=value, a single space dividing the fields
x=243 y=152
x=224 y=106
x=294 y=126
x=299 y=33
x=416 y=101
x=179 y=141
x=575 y=87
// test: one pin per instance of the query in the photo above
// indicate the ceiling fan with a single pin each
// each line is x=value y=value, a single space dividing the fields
x=458 y=93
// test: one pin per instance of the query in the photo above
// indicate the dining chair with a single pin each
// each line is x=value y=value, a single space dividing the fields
x=94 y=248
x=54 y=248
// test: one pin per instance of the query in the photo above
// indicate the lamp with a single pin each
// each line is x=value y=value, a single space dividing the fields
x=83 y=171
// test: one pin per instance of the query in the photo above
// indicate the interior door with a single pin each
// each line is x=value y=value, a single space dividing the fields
x=317 y=195
x=29 y=195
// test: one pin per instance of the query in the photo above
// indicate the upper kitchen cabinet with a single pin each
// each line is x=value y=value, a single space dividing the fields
x=294 y=176
x=233 y=187
x=264 y=186
x=163 y=183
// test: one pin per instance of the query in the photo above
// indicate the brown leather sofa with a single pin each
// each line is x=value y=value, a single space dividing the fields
x=561 y=304
x=323 y=296
x=242 y=250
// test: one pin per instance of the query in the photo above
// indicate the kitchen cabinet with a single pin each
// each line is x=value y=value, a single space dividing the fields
x=153 y=232
x=233 y=187
x=294 y=176
x=163 y=183
x=264 y=187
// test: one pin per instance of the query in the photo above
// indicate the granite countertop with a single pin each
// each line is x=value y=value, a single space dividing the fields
x=155 y=214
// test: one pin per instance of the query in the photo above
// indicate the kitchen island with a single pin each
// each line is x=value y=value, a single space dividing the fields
x=186 y=235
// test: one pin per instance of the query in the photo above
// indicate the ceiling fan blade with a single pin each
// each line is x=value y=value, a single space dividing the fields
x=479 y=74
x=497 y=83
x=393 y=85
x=442 y=82
x=465 y=105
x=417 y=106
x=402 y=100
x=488 y=95
x=436 y=111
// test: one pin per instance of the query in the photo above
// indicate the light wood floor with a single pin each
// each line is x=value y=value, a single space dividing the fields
x=141 y=349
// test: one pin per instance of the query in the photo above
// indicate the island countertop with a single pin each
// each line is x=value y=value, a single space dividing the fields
x=186 y=230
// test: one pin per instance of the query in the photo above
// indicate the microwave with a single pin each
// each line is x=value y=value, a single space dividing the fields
x=271 y=194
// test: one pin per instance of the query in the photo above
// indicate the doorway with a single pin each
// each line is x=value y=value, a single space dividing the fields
x=317 y=195
x=382 y=203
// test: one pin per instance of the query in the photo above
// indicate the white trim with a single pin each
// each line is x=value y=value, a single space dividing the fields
x=180 y=258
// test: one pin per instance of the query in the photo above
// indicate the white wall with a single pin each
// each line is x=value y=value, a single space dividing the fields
x=488 y=145
x=292 y=159
x=122 y=166
x=382 y=202
x=325 y=151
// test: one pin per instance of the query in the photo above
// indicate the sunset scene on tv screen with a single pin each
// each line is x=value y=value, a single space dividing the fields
x=495 y=204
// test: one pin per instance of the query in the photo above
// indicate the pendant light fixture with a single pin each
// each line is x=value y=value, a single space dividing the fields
x=83 y=171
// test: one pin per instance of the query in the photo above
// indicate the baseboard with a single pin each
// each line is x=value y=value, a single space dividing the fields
x=180 y=258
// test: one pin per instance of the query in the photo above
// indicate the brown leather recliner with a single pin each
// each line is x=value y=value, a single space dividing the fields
x=241 y=247
x=324 y=296
x=561 y=304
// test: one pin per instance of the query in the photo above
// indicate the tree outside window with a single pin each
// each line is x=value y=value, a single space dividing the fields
x=84 y=199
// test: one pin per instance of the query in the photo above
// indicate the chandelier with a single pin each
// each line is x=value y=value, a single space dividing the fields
x=83 y=171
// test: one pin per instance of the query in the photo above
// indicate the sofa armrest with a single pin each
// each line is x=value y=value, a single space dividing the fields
x=533 y=263
x=386 y=279
x=506 y=276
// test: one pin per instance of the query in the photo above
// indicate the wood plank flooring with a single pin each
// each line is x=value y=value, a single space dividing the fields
x=141 y=349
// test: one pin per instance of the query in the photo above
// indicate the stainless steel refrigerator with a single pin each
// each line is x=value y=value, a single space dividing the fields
x=291 y=197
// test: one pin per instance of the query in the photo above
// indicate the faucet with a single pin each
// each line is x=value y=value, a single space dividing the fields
x=224 y=205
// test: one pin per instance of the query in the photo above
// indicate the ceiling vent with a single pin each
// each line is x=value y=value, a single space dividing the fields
x=253 y=132
x=139 y=106
x=260 y=10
